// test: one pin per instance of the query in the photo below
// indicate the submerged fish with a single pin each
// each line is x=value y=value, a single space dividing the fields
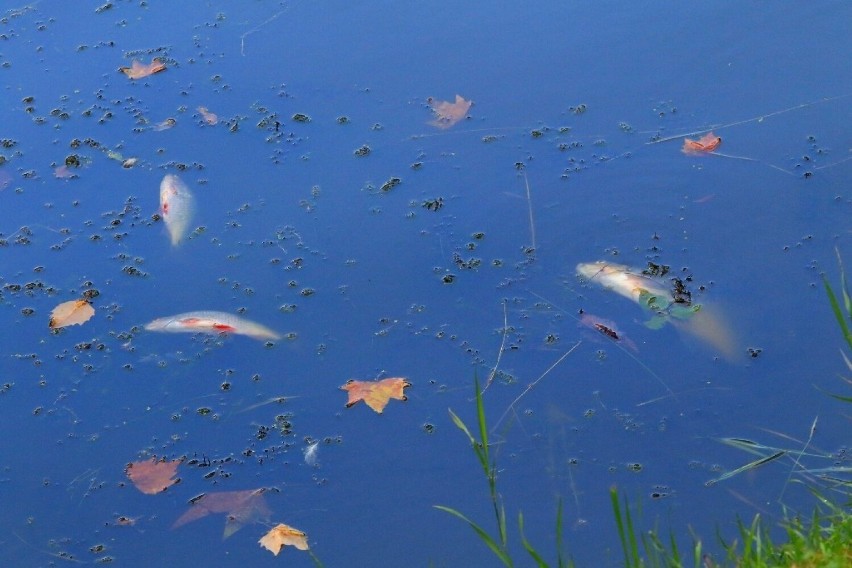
x=660 y=299
x=213 y=323
x=177 y=206
x=608 y=328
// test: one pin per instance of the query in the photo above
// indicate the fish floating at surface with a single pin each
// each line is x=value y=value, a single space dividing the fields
x=177 y=206
x=659 y=299
x=213 y=323
x=626 y=281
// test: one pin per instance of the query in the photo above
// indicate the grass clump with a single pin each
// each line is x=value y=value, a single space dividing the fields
x=499 y=542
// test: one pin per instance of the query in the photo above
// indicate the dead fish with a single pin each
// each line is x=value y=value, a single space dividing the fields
x=213 y=323
x=705 y=324
x=624 y=280
x=177 y=206
x=607 y=328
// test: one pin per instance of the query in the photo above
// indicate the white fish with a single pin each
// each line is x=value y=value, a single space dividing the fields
x=698 y=320
x=624 y=280
x=212 y=323
x=177 y=206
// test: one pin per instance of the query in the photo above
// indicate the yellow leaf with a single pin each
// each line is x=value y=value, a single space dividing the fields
x=376 y=394
x=280 y=536
x=71 y=313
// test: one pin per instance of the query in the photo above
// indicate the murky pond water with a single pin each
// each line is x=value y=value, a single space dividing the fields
x=348 y=198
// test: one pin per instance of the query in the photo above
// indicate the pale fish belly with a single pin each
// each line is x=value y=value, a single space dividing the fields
x=177 y=206
x=623 y=280
x=213 y=323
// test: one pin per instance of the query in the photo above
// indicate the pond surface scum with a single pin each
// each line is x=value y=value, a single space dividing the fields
x=366 y=202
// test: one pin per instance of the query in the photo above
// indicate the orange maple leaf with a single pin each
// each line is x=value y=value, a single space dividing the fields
x=447 y=113
x=376 y=394
x=707 y=143
x=71 y=313
x=280 y=536
x=152 y=476
x=139 y=70
x=241 y=507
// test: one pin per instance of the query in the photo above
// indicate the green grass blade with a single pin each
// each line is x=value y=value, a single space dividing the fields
x=480 y=415
x=847 y=301
x=560 y=561
x=484 y=536
x=749 y=466
x=625 y=531
x=838 y=312
x=461 y=426
x=529 y=547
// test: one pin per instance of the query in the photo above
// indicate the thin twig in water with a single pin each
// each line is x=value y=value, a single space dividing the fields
x=257 y=28
x=499 y=353
x=748 y=120
x=534 y=383
x=529 y=206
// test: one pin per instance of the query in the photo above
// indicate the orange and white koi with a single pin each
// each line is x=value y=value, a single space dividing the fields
x=213 y=323
x=177 y=206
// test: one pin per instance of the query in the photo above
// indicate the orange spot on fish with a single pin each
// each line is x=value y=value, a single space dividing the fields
x=223 y=327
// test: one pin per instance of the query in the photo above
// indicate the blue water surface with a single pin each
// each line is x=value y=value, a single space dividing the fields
x=442 y=256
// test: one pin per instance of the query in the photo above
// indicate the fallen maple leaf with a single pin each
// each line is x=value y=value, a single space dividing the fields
x=376 y=394
x=152 y=476
x=71 y=313
x=707 y=143
x=241 y=507
x=447 y=113
x=139 y=70
x=280 y=536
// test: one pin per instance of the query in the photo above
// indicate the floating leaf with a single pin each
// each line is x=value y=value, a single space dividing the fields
x=64 y=172
x=71 y=313
x=707 y=143
x=376 y=394
x=208 y=116
x=139 y=70
x=241 y=507
x=152 y=476
x=165 y=125
x=280 y=536
x=447 y=113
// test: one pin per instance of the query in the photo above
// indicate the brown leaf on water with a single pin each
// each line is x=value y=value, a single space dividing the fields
x=71 y=313
x=447 y=113
x=152 y=476
x=282 y=535
x=139 y=70
x=376 y=394
x=240 y=507
x=707 y=143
